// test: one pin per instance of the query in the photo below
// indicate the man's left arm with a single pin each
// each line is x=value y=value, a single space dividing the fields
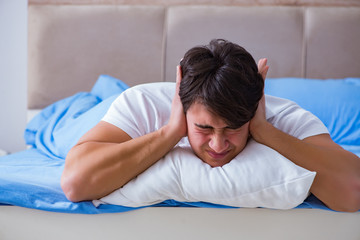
x=337 y=181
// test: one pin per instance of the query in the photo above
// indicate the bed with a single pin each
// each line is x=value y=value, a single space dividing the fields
x=77 y=52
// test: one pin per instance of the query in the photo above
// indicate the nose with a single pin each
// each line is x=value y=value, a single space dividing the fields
x=218 y=143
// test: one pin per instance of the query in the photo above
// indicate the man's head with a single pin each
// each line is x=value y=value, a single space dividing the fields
x=220 y=91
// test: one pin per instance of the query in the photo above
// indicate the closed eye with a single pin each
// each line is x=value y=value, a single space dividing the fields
x=203 y=126
x=204 y=129
x=231 y=128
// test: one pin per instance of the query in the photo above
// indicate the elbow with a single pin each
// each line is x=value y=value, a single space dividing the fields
x=353 y=205
x=354 y=202
x=73 y=184
x=355 y=208
x=353 y=189
x=354 y=195
x=351 y=198
x=73 y=181
x=71 y=188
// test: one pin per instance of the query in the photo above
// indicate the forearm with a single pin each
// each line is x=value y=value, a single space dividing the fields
x=95 y=169
x=338 y=171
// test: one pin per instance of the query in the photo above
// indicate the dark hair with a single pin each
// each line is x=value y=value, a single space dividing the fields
x=223 y=77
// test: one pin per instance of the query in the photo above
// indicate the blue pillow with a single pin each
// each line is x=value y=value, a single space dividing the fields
x=58 y=127
x=335 y=101
x=107 y=86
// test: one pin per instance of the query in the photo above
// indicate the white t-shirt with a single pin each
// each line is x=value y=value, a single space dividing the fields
x=146 y=108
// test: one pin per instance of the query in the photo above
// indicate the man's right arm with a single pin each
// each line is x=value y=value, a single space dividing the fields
x=106 y=157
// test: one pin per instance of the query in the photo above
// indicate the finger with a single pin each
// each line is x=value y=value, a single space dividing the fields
x=262 y=67
x=261 y=64
x=264 y=72
x=178 y=74
x=178 y=78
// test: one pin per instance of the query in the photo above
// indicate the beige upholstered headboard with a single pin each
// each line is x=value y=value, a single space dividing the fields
x=71 y=45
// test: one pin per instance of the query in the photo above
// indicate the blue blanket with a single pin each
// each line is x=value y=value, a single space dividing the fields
x=31 y=178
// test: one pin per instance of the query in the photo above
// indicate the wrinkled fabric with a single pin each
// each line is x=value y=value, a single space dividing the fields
x=31 y=178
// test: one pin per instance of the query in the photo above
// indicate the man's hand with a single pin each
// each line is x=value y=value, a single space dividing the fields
x=106 y=157
x=259 y=120
x=337 y=181
x=263 y=68
x=177 y=122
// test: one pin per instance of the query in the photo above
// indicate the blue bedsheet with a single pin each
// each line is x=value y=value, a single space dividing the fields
x=31 y=178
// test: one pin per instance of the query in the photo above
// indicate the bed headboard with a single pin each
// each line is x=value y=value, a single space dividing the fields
x=71 y=45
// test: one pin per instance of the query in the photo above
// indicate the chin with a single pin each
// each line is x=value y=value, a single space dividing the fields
x=216 y=163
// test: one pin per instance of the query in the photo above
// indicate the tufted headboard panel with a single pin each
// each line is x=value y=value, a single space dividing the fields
x=71 y=45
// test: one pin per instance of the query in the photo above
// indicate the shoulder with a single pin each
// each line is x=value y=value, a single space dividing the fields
x=292 y=119
x=152 y=89
x=144 y=94
x=275 y=105
x=142 y=109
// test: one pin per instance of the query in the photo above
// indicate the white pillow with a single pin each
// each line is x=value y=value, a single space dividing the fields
x=257 y=177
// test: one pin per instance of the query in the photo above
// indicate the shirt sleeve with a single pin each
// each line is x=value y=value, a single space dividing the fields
x=140 y=110
x=292 y=119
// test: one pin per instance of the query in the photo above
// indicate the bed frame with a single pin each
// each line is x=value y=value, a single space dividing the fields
x=71 y=45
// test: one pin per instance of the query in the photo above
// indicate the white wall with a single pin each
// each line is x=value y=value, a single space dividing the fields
x=13 y=72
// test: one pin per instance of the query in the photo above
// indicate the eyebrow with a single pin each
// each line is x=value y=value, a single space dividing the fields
x=203 y=126
x=211 y=127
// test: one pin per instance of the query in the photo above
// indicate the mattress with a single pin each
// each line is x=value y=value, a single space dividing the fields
x=180 y=223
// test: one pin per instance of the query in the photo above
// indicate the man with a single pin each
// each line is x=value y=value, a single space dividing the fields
x=218 y=103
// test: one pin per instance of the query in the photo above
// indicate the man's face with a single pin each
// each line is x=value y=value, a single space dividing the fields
x=210 y=137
